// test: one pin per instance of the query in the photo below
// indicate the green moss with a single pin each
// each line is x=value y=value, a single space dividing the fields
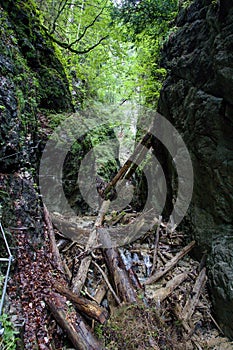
x=36 y=55
x=55 y=119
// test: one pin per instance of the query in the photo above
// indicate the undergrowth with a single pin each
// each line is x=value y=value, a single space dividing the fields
x=9 y=338
x=136 y=327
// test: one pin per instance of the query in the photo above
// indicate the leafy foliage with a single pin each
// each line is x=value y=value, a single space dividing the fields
x=147 y=23
x=111 y=49
x=8 y=339
x=140 y=14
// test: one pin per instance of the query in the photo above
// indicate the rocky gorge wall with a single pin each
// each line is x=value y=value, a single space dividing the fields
x=197 y=97
x=32 y=80
x=34 y=98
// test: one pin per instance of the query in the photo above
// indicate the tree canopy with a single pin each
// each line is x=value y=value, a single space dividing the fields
x=111 y=49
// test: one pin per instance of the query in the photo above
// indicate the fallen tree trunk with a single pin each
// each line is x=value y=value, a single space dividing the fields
x=162 y=293
x=84 y=305
x=77 y=331
x=53 y=245
x=190 y=305
x=80 y=278
x=170 y=264
x=69 y=320
x=122 y=282
x=136 y=158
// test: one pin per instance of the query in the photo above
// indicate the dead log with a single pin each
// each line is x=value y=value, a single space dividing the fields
x=140 y=148
x=122 y=235
x=122 y=282
x=80 y=278
x=53 y=245
x=103 y=210
x=190 y=305
x=100 y=293
x=155 y=255
x=77 y=331
x=84 y=305
x=162 y=293
x=190 y=330
x=170 y=264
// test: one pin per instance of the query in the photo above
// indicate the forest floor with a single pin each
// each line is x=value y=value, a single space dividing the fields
x=172 y=309
x=173 y=312
x=71 y=293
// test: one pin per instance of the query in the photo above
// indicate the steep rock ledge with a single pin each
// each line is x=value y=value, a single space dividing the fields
x=197 y=97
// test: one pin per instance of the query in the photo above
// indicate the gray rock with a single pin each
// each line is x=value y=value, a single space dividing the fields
x=197 y=98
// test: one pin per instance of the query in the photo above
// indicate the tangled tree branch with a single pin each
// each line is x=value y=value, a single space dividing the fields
x=69 y=47
x=87 y=27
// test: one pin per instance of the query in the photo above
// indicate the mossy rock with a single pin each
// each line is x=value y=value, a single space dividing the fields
x=52 y=90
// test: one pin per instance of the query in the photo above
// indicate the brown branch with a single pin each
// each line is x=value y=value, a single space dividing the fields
x=100 y=292
x=122 y=282
x=170 y=264
x=190 y=305
x=72 y=323
x=132 y=164
x=58 y=15
x=162 y=293
x=155 y=255
x=89 y=48
x=108 y=283
x=67 y=46
x=187 y=328
x=80 y=278
x=53 y=244
x=87 y=27
x=84 y=305
x=140 y=148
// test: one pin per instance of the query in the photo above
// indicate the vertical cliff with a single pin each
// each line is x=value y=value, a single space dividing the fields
x=197 y=97
x=32 y=78
x=32 y=83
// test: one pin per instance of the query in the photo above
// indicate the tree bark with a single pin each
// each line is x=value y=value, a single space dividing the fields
x=77 y=331
x=84 y=305
x=120 y=276
x=170 y=264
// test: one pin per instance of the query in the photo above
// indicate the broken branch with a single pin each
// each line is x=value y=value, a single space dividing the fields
x=162 y=293
x=170 y=264
x=79 y=333
x=84 y=305
x=156 y=246
x=190 y=305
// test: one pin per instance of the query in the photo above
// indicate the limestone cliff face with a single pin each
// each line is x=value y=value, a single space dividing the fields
x=33 y=84
x=197 y=97
x=31 y=78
